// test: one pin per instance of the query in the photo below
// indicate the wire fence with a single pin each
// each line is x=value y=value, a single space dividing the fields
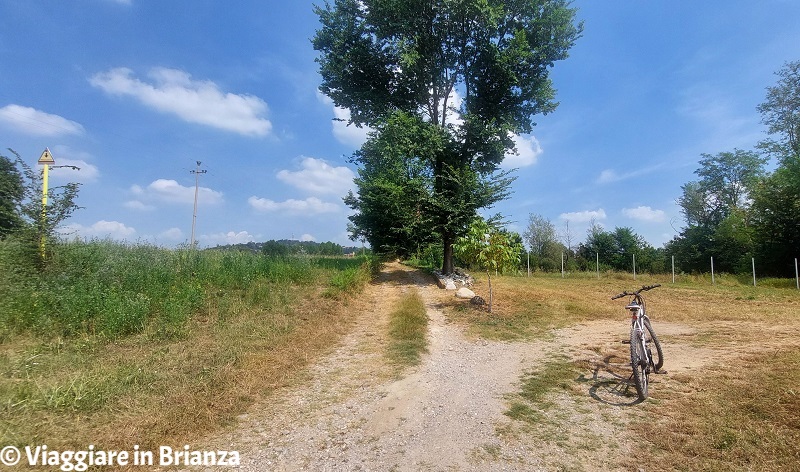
x=714 y=274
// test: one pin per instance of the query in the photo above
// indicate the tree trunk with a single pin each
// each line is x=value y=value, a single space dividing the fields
x=447 y=260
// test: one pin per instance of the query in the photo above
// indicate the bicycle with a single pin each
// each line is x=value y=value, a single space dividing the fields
x=643 y=362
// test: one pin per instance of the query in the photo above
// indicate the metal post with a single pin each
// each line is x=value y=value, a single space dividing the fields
x=753 y=259
x=712 y=270
x=598 y=264
x=529 y=263
x=796 y=275
x=673 y=269
x=634 y=267
x=562 y=264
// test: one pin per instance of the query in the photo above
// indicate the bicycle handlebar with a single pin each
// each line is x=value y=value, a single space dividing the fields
x=643 y=289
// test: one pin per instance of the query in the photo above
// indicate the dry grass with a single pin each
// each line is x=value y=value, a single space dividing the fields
x=733 y=405
x=741 y=418
x=146 y=391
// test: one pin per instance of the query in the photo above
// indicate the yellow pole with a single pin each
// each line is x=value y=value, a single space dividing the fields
x=44 y=208
x=45 y=160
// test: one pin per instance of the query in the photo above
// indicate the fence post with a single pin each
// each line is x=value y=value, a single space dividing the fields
x=529 y=263
x=712 y=271
x=598 y=264
x=562 y=264
x=796 y=275
x=634 y=267
x=673 y=269
x=753 y=259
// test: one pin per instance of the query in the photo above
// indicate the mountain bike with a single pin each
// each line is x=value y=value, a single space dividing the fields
x=643 y=360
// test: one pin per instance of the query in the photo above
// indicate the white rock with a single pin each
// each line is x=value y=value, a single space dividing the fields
x=465 y=293
x=450 y=285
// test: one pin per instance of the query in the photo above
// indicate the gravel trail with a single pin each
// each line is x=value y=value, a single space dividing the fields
x=354 y=411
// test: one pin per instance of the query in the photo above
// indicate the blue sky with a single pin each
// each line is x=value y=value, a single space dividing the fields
x=134 y=92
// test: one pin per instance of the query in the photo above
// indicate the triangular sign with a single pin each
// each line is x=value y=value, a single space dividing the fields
x=47 y=158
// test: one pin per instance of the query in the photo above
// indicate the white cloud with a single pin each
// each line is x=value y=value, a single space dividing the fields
x=174 y=91
x=84 y=173
x=230 y=237
x=311 y=205
x=171 y=191
x=36 y=122
x=137 y=205
x=609 y=175
x=172 y=234
x=528 y=152
x=101 y=229
x=583 y=216
x=348 y=135
x=645 y=213
x=319 y=178
x=307 y=237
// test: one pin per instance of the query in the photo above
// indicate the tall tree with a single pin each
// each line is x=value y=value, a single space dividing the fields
x=12 y=191
x=776 y=202
x=716 y=209
x=781 y=113
x=726 y=180
x=476 y=71
x=540 y=235
x=776 y=218
x=395 y=187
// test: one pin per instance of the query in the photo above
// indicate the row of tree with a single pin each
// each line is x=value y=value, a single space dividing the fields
x=735 y=212
x=613 y=250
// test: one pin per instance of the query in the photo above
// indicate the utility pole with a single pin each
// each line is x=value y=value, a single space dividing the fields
x=45 y=160
x=196 y=173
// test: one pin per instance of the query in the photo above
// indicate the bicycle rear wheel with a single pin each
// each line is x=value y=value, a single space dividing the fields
x=652 y=340
x=639 y=364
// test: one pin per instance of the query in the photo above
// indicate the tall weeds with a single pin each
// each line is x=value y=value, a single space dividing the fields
x=121 y=344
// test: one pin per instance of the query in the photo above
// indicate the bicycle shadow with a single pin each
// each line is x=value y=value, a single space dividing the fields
x=611 y=382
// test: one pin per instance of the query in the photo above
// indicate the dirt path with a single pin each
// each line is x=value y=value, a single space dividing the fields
x=354 y=412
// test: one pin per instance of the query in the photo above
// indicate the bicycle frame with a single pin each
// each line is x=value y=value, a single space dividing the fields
x=642 y=362
x=638 y=315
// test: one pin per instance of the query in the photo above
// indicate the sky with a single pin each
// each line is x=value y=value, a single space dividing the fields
x=136 y=92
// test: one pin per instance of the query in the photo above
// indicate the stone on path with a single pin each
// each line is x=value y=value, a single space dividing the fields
x=465 y=293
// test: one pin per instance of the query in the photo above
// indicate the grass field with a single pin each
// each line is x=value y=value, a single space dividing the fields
x=736 y=409
x=115 y=345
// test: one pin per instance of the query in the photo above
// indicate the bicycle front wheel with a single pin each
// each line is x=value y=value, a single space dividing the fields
x=652 y=340
x=639 y=364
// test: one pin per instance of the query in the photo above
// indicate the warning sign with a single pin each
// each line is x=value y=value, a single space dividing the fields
x=46 y=158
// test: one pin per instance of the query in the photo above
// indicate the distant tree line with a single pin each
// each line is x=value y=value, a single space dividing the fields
x=291 y=247
x=614 y=250
x=735 y=211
